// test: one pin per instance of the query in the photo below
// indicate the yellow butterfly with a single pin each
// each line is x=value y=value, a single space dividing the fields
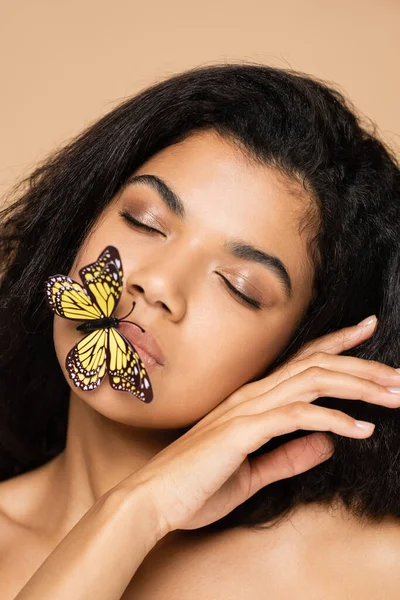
x=104 y=348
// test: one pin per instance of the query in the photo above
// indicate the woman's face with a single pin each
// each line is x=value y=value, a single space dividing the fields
x=212 y=341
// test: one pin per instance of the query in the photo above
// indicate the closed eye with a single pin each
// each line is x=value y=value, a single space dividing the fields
x=128 y=217
x=243 y=298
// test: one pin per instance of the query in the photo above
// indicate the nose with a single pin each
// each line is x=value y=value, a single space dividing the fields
x=158 y=284
x=167 y=276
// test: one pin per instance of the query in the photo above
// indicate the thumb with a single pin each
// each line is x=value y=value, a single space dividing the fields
x=290 y=459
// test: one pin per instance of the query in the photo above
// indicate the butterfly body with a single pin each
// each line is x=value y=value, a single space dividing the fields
x=103 y=323
x=103 y=349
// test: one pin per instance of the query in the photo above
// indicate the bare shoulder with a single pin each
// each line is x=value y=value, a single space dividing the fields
x=21 y=551
x=298 y=559
x=11 y=499
x=17 y=495
x=8 y=532
x=199 y=565
x=11 y=538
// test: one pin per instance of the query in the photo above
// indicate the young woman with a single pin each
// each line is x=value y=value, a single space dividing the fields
x=258 y=223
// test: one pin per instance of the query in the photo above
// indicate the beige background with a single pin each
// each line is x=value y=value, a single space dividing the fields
x=64 y=63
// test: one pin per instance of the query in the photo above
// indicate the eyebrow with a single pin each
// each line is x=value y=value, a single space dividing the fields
x=237 y=247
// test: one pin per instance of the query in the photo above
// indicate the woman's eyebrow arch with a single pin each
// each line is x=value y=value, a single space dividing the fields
x=236 y=247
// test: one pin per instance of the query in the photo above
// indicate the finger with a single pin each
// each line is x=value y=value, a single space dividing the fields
x=314 y=352
x=342 y=379
x=317 y=382
x=250 y=432
x=359 y=367
x=332 y=343
x=288 y=460
x=340 y=340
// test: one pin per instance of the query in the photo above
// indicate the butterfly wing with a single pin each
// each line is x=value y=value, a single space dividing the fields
x=102 y=349
x=70 y=300
x=125 y=367
x=103 y=280
x=86 y=361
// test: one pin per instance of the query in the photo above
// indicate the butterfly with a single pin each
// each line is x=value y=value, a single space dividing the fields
x=104 y=348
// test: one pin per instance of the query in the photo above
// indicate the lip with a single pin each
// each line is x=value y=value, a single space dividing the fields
x=142 y=342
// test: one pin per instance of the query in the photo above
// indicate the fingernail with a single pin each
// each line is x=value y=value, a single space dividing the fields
x=398 y=369
x=368 y=321
x=364 y=425
x=393 y=390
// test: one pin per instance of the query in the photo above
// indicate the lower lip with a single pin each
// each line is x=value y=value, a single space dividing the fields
x=148 y=360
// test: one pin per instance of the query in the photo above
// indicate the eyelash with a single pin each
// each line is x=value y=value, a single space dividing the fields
x=242 y=297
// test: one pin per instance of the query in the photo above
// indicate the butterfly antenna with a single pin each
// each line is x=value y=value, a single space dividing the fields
x=133 y=306
x=122 y=318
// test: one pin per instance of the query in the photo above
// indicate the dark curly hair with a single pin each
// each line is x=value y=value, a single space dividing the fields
x=283 y=118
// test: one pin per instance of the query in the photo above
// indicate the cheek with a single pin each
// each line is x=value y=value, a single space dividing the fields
x=217 y=360
x=260 y=348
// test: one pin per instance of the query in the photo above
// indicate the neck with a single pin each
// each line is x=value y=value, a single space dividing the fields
x=99 y=453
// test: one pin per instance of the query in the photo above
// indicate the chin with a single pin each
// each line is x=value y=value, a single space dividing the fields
x=125 y=408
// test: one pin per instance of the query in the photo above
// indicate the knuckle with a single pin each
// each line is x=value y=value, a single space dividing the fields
x=237 y=422
x=314 y=371
x=336 y=418
x=367 y=389
x=378 y=368
x=318 y=358
x=341 y=416
x=314 y=374
x=297 y=410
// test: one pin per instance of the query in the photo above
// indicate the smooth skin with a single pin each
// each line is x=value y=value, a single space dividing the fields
x=116 y=513
x=205 y=473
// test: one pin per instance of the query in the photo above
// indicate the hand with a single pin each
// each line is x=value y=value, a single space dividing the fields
x=206 y=473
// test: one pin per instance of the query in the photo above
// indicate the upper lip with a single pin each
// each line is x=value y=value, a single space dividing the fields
x=143 y=340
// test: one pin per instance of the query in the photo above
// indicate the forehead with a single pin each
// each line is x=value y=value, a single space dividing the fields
x=228 y=194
